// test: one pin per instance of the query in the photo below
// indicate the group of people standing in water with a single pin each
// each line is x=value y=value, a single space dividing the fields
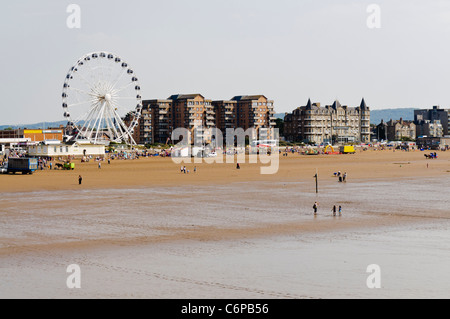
x=335 y=210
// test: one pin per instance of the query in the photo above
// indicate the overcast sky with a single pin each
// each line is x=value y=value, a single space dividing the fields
x=289 y=50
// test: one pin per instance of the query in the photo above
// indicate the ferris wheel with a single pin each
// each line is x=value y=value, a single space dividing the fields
x=101 y=99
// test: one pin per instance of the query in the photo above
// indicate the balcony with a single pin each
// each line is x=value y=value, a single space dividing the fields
x=211 y=118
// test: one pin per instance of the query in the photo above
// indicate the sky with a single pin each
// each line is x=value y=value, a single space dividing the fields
x=288 y=50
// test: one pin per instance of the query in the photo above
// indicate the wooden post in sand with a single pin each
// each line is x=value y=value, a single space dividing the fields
x=317 y=182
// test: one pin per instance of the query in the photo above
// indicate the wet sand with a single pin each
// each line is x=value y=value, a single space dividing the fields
x=141 y=229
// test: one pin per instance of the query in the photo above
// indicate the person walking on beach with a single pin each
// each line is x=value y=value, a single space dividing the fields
x=80 y=179
x=315 y=206
x=99 y=165
x=238 y=166
x=344 y=177
x=195 y=169
x=181 y=169
x=340 y=210
x=334 y=210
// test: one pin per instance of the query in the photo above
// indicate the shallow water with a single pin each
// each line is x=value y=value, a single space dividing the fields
x=403 y=226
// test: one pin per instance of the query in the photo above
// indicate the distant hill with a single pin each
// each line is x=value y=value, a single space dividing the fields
x=35 y=126
x=377 y=115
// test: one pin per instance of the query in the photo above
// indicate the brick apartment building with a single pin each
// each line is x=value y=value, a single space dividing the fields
x=226 y=115
x=192 y=111
x=255 y=111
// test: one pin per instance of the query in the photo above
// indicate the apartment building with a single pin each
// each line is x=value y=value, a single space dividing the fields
x=198 y=114
x=256 y=111
x=432 y=115
x=430 y=128
x=194 y=112
x=156 y=121
x=226 y=115
x=334 y=123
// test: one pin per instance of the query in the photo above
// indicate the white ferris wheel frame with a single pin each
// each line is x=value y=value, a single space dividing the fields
x=103 y=100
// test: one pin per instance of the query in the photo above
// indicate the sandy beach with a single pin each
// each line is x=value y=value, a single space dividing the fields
x=149 y=231
x=158 y=171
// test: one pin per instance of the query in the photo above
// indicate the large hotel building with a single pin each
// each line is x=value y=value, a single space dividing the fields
x=334 y=123
x=194 y=112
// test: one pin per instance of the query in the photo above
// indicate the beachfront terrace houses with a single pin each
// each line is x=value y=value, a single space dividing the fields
x=334 y=124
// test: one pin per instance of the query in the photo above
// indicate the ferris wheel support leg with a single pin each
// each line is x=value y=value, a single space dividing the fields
x=95 y=123
x=100 y=121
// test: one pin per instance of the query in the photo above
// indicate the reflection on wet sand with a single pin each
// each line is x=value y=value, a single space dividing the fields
x=241 y=240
